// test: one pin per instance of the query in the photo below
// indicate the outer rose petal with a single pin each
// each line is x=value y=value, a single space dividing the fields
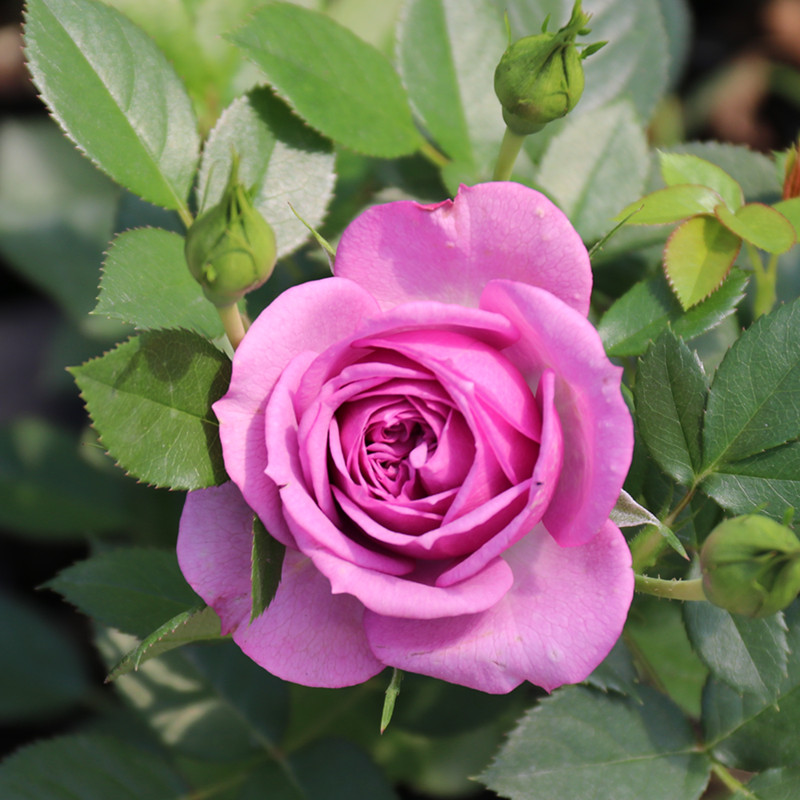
x=597 y=426
x=490 y=231
x=306 y=635
x=554 y=626
x=311 y=316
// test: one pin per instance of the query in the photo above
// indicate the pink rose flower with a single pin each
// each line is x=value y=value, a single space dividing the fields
x=438 y=438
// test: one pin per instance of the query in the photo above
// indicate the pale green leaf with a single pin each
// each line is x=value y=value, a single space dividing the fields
x=760 y=225
x=115 y=95
x=287 y=163
x=671 y=204
x=341 y=85
x=150 y=400
x=699 y=254
x=606 y=154
x=679 y=168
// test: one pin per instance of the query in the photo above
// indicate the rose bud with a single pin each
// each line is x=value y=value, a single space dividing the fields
x=540 y=78
x=230 y=249
x=751 y=566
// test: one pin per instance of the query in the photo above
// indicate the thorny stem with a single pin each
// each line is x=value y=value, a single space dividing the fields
x=509 y=150
x=672 y=590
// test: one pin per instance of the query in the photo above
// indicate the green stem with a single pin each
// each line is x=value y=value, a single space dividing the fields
x=766 y=290
x=647 y=546
x=509 y=150
x=730 y=782
x=672 y=590
x=233 y=323
x=186 y=216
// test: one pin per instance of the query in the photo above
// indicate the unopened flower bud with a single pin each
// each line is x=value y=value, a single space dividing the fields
x=791 y=175
x=540 y=78
x=230 y=249
x=751 y=566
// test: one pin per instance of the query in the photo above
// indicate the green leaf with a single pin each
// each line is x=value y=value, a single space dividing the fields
x=48 y=489
x=286 y=162
x=749 y=732
x=200 y=623
x=342 y=86
x=774 y=784
x=698 y=256
x=56 y=212
x=267 y=567
x=755 y=396
x=140 y=129
x=677 y=168
x=608 y=162
x=791 y=210
x=43 y=671
x=133 y=589
x=760 y=225
x=670 y=394
x=206 y=701
x=146 y=282
x=671 y=204
x=150 y=399
x=91 y=768
x=645 y=310
x=768 y=481
x=579 y=743
x=617 y=672
x=447 y=51
x=750 y=655
x=656 y=635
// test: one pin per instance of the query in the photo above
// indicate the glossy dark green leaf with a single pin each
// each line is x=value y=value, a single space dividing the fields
x=43 y=671
x=150 y=400
x=644 y=311
x=89 y=768
x=754 y=403
x=617 y=672
x=670 y=394
x=197 y=624
x=115 y=95
x=48 y=488
x=133 y=589
x=744 y=730
x=773 y=784
x=656 y=635
x=341 y=85
x=146 y=282
x=606 y=151
x=266 y=568
x=699 y=254
x=768 y=481
x=628 y=749
x=288 y=164
x=204 y=701
x=750 y=655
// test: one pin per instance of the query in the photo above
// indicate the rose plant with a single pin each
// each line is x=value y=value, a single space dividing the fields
x=437 y=437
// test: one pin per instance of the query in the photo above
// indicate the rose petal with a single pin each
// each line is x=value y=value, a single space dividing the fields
x=401 y=252
x=554 y=626
x=306 y=635
x=598 y=432
x=309 y=317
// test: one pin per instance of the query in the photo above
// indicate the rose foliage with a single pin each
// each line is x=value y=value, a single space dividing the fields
x=437 y=437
